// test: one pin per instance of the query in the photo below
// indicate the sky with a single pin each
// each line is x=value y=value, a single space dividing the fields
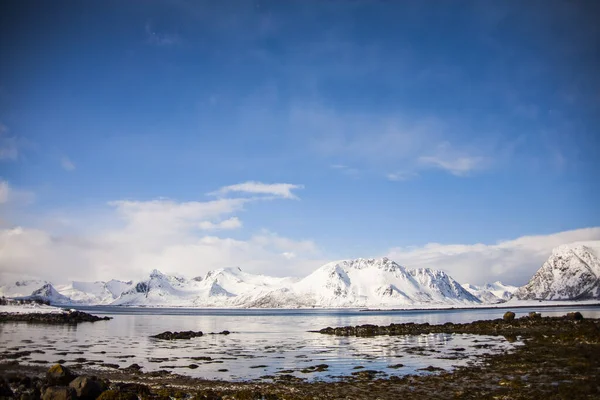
x=276 y=136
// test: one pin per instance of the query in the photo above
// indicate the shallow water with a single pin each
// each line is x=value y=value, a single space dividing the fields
x=262 y=342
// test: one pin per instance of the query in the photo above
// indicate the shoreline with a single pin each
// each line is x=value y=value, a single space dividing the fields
x=570 y=370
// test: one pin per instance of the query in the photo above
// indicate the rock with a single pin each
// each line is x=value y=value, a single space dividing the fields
x=509 y=316
x=70 y=317
x=60 y=375
x=87 y=388
x=133 y=368
x=576 y=316
x=535 y=315
x=168 y=335
x=59 y=393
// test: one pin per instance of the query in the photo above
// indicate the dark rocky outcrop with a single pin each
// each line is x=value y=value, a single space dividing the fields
x=69 y=317
x=168 y=335
x=529 y=325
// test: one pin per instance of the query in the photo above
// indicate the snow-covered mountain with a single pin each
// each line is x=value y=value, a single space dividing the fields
x=94 y=292
x=571 y=273
x=73 y=293
x=378 y=282
x=349 y=283
x=491 y=293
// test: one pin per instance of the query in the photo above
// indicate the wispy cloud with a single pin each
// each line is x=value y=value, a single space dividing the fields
x=401 y=176
x=8 y=145
x=67 y=164
x=459 y=166
x=160 y=38
x=346 y=170
x=458 y=162
x=391 y=144
x=282 y=190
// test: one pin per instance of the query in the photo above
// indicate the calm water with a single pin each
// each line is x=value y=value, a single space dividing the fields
x=262 y=343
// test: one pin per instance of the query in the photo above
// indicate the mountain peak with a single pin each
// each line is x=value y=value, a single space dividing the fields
x=572 y=272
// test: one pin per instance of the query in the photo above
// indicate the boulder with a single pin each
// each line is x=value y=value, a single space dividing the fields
x=87 y=388
x=59 y=375
x=509 y=316
x=59 y=393
x=535 y=315
x=576 y=316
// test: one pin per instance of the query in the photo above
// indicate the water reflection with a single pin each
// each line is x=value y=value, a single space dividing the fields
x=262 y=343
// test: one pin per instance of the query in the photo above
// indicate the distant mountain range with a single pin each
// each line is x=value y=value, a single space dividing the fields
x=571 y=272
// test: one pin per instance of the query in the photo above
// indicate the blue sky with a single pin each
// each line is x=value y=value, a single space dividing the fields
x=401 y=124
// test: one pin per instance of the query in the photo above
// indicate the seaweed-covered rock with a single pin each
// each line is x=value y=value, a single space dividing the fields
x=59 y=375
x=87 y=388
x=509 y=316
x=168 y=335
x=59 y=393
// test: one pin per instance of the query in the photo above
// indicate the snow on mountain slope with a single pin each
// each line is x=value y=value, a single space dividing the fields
x=48 y=292
x=162 y=289
x=379 y=282
x=491 y=293
x=571 y=273
x=34 y=288
x=93 y=292
x=21 y=288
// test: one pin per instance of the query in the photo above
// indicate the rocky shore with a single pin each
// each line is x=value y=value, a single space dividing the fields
x=67 y=317
x=560 y=359
x=530 y=325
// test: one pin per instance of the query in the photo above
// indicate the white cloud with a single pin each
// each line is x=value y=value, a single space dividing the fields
x=133 y=237
x=231 y=223
x=67 y=164
x=512 y=261
x=283 y=190
x=12 y=196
